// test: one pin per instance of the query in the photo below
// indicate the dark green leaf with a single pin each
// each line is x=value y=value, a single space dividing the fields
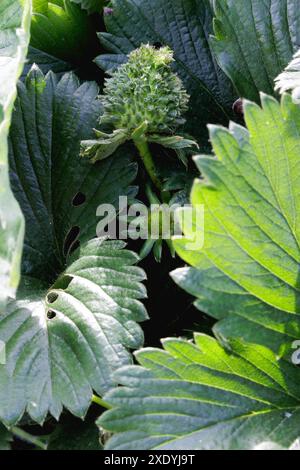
x=59 y=192
x=254 y=41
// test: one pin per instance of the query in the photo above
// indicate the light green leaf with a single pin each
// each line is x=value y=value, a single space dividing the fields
x=254 y=40
x=289 y=79
x=92 y=6
x=184 y=26
x=202 y=397
x=14 y=37
x=58 y=191
x=247 y=272
x=65 y=342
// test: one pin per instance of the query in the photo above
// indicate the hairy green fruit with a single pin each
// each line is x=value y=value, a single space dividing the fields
x=145 y=90
x=143 y=101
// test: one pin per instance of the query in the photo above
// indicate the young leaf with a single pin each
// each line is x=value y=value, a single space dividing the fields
x=247 y=272
x=14 y=37
x=184 y=26
x=289 y=79
x=59 y=192
x=254 y=40
x=63 y=343
x=202 y=397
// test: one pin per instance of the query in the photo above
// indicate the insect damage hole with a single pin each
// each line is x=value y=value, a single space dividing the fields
x=71 y=239
x=52 y=297
x=79 y=199
x=51 y=314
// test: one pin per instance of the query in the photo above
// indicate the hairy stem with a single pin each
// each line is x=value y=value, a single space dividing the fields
x=25 y=436
x=100 y=402
x=145 y=154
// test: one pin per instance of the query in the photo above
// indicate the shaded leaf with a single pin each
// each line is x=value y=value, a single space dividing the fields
x=58 y=191
x=254 y=40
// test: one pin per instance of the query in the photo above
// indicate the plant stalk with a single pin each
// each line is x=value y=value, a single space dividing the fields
x=145 y=154
x=100 y=402
x=29 y=438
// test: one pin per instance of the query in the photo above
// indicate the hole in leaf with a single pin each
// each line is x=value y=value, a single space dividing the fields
x=52 y=297
x=51 y=314
x=63 y=282
x=79 y=199
x=71 y=238
x=74 y=247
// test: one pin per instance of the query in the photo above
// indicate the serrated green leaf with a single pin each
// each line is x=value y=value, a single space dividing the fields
x=202 y=397
x=184 y=26
x=289 y=79
x=254 y=40
x=45 y=62
x=63 y=343
x=14 y=37
x=247 y=272
x=58 y=191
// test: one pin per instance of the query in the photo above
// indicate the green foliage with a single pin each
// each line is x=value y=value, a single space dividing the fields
x=58 y=192
x=68 y=333
x=184 y=26
x=143 y=100
x=254 y=40
x=247 y=273
x=62 y=30
x=200 y=396
x=64 y=342
x=14 y=37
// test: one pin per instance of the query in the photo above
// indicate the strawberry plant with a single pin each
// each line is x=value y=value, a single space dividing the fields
x=150 y=159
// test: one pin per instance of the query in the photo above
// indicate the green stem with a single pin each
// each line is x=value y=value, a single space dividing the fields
x=25 y=436
x=100 y=402
x=145 y=154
